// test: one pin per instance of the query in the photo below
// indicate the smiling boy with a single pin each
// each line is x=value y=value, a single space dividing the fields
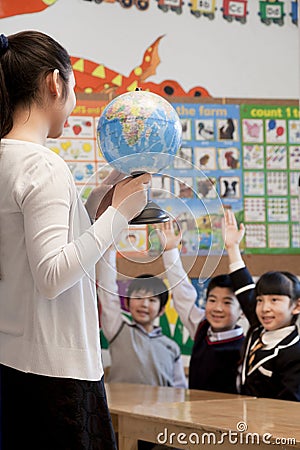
x=217 y=337
x=140 y=352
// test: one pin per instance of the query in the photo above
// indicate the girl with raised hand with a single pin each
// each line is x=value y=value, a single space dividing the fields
x=271 y=359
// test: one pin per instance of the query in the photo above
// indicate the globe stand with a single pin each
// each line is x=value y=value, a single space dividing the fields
x=152 y=213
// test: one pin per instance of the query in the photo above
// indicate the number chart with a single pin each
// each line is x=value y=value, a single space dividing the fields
x=271 y=170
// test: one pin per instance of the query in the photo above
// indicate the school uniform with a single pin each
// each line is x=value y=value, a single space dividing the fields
x=275 y=369
x=144 y=358
x=214 y=359
x=215 y=355
x=136 y=355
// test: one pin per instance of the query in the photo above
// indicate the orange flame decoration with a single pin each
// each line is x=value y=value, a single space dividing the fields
x=96 y=78
x=10 y=8
x=92 y=77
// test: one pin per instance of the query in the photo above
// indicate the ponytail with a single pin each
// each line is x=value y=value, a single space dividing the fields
x=6 y=113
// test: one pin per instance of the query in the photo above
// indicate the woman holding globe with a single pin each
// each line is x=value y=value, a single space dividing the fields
x=52 y=390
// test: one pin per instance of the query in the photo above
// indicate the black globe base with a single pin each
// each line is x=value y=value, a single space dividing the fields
x=152 y=213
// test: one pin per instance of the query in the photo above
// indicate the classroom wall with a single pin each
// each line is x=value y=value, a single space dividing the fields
x=251 y=61
x=229 y=59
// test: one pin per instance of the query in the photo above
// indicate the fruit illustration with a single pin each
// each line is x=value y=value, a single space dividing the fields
x=77 y=129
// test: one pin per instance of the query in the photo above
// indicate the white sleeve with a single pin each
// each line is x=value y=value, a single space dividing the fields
x=183 y=292
x=236 y=266
x=108 y=294
x=52 y=215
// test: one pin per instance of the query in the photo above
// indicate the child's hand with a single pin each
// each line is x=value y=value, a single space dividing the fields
x=168 y=237
x=232 y=235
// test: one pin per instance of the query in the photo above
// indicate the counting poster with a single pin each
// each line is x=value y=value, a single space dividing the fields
x=271 y=169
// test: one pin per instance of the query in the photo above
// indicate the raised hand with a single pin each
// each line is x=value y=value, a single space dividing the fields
x=170 y=236
x=232 y=234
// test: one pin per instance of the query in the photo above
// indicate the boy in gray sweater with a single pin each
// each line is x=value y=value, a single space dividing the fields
x=140 y=352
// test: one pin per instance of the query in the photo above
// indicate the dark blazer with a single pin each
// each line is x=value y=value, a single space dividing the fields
x=213 y=365
x=275 y=372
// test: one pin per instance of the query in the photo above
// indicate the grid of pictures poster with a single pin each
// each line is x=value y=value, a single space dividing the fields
x=271 y=169
x=205 y=177
x=243 y=157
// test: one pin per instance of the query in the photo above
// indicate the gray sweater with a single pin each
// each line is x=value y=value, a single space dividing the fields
x=139 y=357
x=136 y=356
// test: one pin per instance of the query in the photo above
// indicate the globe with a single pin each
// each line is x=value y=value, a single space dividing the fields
x=139 y=132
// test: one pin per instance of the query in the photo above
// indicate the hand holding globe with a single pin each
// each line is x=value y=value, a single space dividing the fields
x=140 y=132
x=128 y=195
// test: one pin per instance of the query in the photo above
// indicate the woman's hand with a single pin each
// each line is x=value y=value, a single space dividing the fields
x=130 y=195
x=99 y=196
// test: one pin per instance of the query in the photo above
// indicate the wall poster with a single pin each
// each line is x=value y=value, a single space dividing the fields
x=271 y=170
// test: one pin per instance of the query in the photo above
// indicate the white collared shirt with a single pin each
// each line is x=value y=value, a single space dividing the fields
x=215 y=336
x=271 y=338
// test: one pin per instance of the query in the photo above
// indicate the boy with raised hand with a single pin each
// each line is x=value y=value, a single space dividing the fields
x=271 y=360
x=217 y=337
x=140 y=352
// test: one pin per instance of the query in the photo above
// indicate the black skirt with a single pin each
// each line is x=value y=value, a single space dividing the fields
x=47 y=413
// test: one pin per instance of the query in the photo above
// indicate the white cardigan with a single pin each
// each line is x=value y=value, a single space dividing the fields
x=48 y=251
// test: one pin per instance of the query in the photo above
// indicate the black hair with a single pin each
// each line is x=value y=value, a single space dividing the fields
x=26 y=58
x=222 y=281
x=279 y=283
x=149 y=283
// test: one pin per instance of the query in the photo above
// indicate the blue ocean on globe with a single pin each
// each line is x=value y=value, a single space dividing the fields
x=139 y=132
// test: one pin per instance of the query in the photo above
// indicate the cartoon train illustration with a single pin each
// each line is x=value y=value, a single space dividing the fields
x=294 y=13
x=235 y=10
x=142 y=5
x=173 y=5
x=204 y=8
x=271 y=12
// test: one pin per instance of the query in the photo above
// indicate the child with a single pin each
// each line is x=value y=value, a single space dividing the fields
x=217 y=337
x=140 y=352
x=271 y=360
x=50 y=357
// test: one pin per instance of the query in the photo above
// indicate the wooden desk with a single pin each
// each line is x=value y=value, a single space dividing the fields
x=124 y=396
x=201 y=417
x=199 y=424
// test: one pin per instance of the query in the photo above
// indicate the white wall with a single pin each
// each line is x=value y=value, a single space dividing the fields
x=229 y=59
